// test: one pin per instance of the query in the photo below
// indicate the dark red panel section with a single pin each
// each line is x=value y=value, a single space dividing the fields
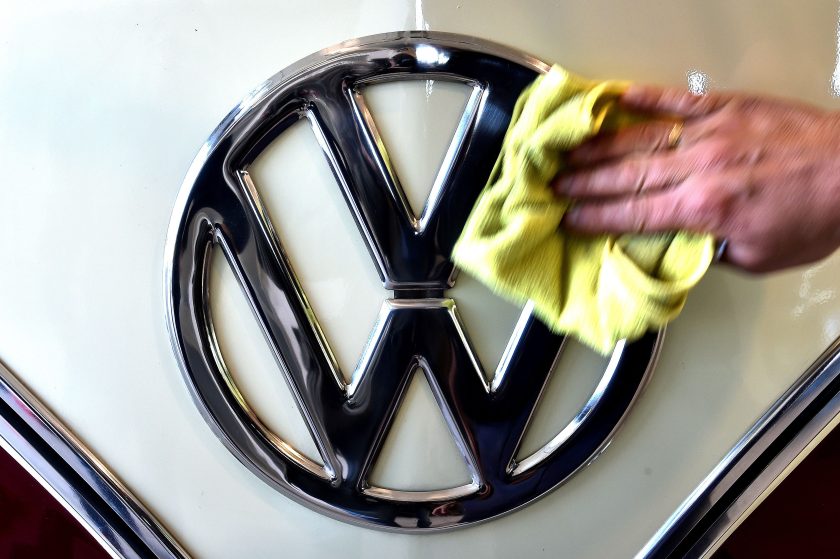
x=33 y=524
x=798 y=519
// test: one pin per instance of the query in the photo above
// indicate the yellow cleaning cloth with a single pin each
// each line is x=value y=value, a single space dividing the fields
x=602 y=288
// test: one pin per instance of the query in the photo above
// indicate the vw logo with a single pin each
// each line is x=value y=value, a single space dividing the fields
x=219 y=206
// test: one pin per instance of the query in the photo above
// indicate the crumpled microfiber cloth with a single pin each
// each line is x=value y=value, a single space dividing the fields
x=598 y=288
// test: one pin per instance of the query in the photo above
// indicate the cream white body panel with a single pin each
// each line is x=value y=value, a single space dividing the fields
x=104 y=106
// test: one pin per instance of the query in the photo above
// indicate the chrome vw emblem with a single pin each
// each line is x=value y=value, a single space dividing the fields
x=220 y=206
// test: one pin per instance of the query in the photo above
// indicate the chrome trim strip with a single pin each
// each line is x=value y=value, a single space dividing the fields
x=723 y=526
x=582 y=416
x=750 y=467
x=82 y=483
x=105 y=545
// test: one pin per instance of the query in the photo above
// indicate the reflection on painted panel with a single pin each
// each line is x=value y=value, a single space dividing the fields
x=33 y=524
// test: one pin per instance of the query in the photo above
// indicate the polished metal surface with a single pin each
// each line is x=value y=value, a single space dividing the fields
x=219 y=205
x=774 y=442
x=35 y=437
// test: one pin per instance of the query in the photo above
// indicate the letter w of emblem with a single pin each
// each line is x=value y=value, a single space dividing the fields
x=218 y=205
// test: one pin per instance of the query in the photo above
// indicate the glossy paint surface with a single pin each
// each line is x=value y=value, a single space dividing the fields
x=798 y=518
x=33 y=524
x=106 y=104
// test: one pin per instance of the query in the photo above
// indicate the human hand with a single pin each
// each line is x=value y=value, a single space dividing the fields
x=762 y=173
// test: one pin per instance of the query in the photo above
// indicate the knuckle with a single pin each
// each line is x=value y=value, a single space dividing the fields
x=575 y=184
x=631 y=174
x=655 y=134
x=708 y=208
x=654 y=177
x=590 y=151
x=755 y=261
x=727 y=123
x=749 y=154
x=655 y=215
x=718 y=210
x=702 y=104
x=691 y=206
x=634 y=216
x=714 y=153
x=747 y=104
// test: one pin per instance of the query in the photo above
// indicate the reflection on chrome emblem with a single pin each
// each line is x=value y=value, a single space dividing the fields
x=220 y=206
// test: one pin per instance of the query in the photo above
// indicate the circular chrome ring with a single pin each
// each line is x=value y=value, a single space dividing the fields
x=218 y=205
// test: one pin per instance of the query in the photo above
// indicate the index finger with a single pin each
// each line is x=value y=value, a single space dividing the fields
x=663 y=210
x=671 y=100
x=646 y=137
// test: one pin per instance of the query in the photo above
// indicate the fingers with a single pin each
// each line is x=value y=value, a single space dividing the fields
x=629 y=176
x=629 y=215
x=674 y=101
x=641 y=138
x=703 y=204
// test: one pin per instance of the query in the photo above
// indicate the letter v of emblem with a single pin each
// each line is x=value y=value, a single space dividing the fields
x=219 y=206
